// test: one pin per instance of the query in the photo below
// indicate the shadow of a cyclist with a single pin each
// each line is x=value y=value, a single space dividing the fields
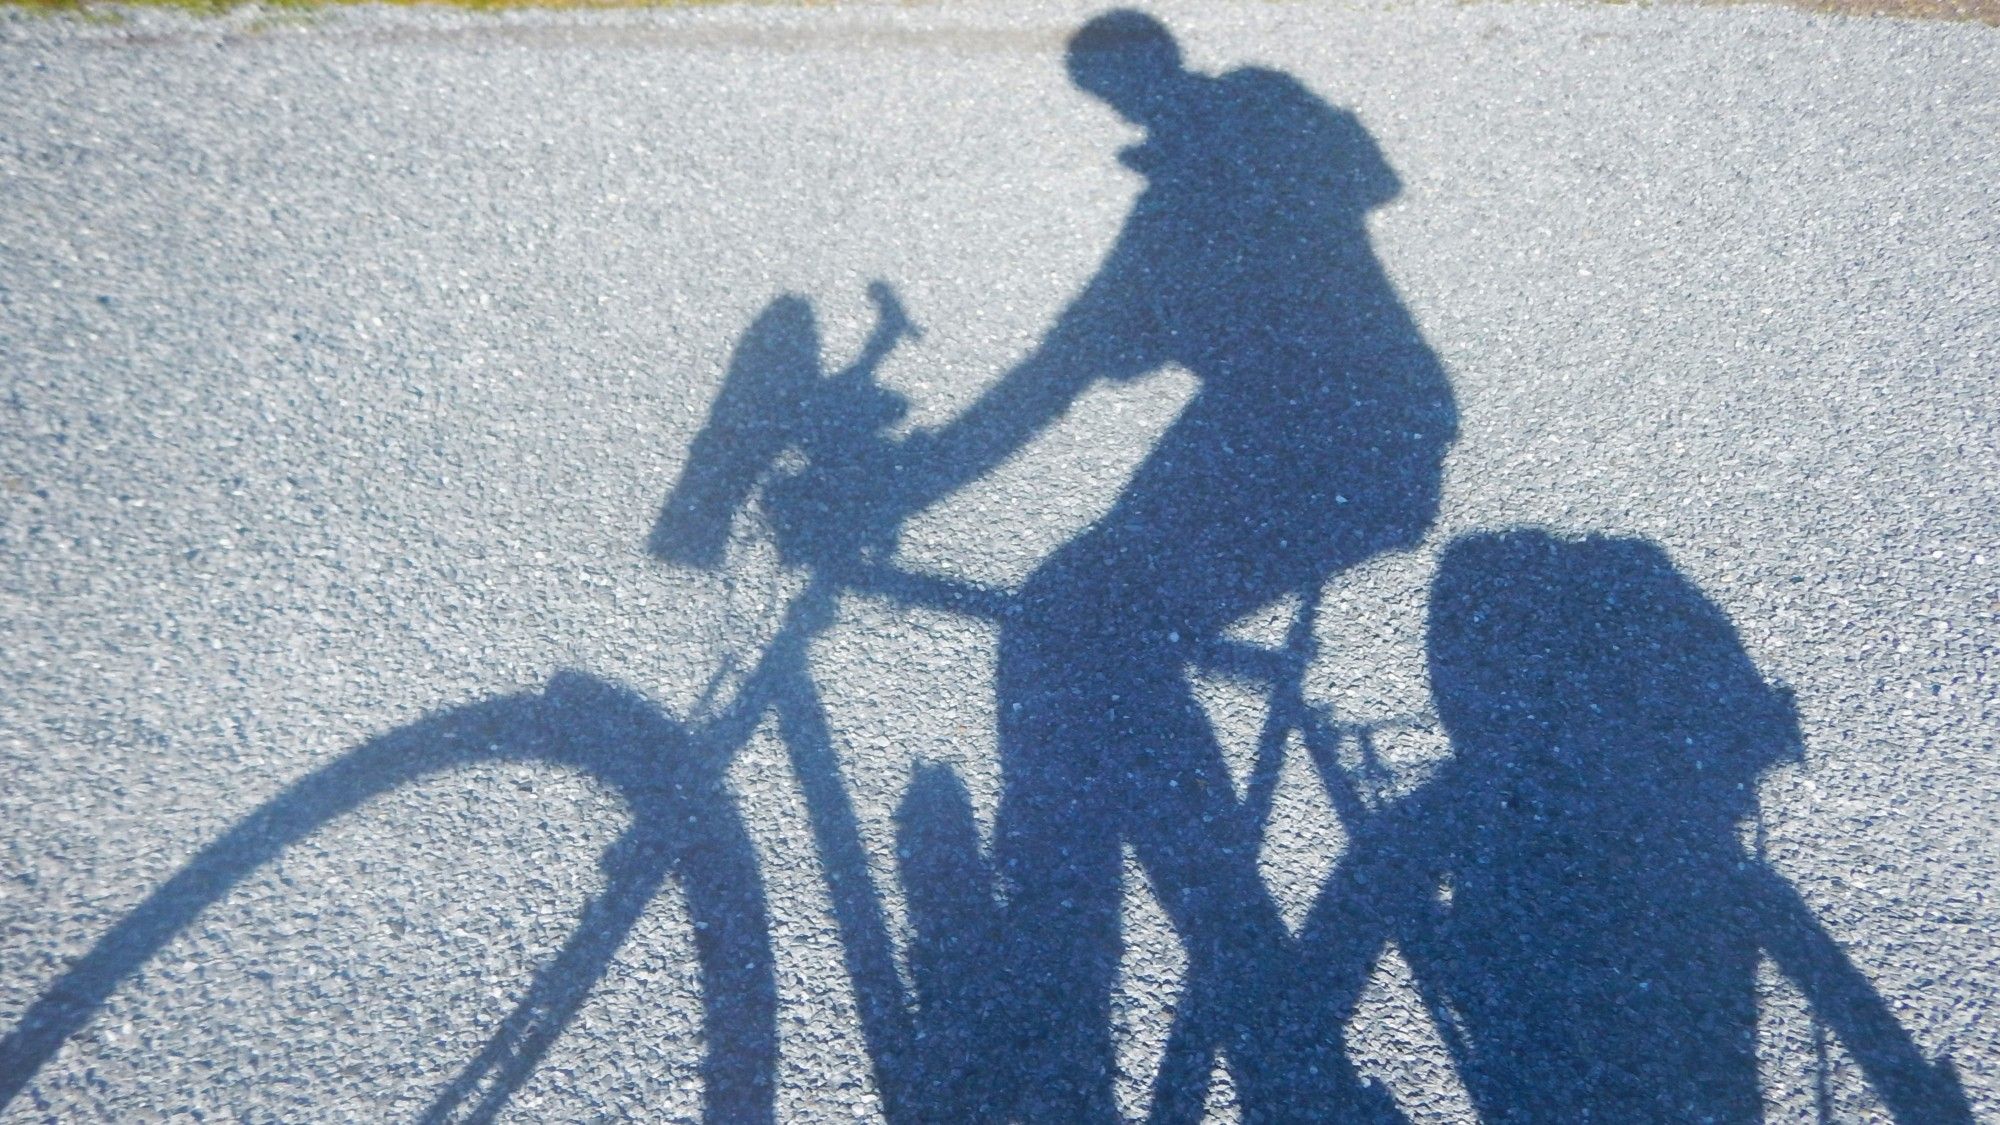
x=1314 y=442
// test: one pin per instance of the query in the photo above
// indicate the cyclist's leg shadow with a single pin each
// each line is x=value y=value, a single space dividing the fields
x=955 y=955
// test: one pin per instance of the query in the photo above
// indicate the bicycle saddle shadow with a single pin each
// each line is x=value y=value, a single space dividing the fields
x=681 y=825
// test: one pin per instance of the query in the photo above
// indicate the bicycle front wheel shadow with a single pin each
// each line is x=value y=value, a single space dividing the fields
x=683 y=825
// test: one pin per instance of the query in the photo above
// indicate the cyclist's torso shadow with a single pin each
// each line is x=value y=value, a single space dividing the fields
x=1314 y=442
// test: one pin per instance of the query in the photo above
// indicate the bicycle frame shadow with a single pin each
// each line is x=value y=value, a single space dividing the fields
x=682 y=825
x=1314 y=443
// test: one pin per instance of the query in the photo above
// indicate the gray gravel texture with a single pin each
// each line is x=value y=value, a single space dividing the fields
x=348 y=357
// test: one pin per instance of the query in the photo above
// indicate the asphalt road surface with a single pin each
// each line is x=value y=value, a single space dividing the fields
x=401 y=712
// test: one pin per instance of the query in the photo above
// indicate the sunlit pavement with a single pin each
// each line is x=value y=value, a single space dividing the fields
x=349 y=356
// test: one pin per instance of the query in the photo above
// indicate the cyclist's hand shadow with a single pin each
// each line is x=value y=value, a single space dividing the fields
x=839 y=510
x=847 y=503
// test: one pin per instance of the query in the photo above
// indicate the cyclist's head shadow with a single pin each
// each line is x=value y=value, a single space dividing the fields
x=1132 y=63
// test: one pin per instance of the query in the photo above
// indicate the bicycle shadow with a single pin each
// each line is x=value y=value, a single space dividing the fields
x=1314 y=443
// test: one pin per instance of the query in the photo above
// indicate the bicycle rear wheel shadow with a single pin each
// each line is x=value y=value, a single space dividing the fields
x=682 y=825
